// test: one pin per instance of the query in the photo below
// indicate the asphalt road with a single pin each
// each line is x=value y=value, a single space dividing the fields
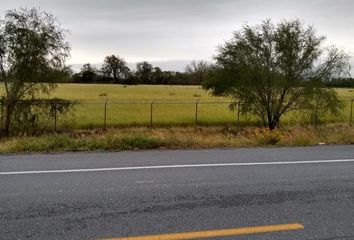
x=127 y=195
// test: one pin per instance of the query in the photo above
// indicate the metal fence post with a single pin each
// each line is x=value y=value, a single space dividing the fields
x=238 y=113
x=55 y=117
x=105 y=113
x=351 y=112
x=2 y=113
x=315 y=120
x=151 y=111
x=196 y=113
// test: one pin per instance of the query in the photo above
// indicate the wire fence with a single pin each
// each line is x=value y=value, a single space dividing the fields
x=159 y=112
x=108 y=113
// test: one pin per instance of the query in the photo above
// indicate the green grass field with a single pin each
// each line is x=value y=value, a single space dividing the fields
x=130 y=105
x=173 y=105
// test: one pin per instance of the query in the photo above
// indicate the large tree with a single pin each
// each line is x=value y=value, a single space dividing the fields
x=272 y=69
x=144 y=72
x=88 y=74
x=32 y=50
x=115 y=68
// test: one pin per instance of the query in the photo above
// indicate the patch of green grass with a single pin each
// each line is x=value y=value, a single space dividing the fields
x=139 y=142
x=131 y=92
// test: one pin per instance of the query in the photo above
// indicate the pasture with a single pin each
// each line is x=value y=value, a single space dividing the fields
x=172 y=105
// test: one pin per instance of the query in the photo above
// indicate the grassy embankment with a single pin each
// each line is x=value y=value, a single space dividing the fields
x=179 y=138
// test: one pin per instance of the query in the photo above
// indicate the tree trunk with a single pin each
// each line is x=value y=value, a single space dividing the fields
x=271 y=126
x=270 y=120
x=273 y=123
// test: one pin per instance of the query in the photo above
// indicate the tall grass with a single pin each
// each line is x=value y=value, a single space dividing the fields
x=179 y=138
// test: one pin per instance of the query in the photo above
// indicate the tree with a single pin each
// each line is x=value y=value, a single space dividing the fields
x=273 y=69
x=88 y=74
x=197 y=71
x=115 y=68
x=32 y=50
x=144 y=72
x=157 y=76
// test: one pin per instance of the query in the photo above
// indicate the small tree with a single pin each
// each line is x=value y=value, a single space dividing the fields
x=32 y=51
x=115 y=68
x=273 y=69
x=197 y=71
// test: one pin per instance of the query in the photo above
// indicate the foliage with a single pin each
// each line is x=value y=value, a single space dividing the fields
x=32 y=52
x=197 y=71
x=273 y=69
x=144 y=72
x=88 y=74
x=341 y=83
x=115 y=69
x=32 y=116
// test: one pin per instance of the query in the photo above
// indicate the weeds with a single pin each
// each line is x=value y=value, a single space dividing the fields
x=136 y=138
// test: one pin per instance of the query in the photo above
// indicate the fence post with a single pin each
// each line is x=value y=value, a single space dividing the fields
x=351 y=112
x=151 y=111
x=238 y=113
x=315 y=120
x=196 y=113
x=105 y=113
x=2 y=113
x=55 y=117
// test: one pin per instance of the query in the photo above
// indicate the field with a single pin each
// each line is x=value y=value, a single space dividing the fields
x=131 y=105
x=172 y=105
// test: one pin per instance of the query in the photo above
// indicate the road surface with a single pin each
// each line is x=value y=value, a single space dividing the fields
x=126 y=194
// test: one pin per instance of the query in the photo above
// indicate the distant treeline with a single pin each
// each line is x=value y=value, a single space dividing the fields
x=115 y=70
x=341 y=83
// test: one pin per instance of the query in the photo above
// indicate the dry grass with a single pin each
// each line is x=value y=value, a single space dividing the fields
x=179 y=138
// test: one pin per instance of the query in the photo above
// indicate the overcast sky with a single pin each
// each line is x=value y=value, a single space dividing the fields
x=173 y=32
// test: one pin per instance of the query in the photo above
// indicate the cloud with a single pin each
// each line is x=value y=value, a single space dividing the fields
x=158 y=30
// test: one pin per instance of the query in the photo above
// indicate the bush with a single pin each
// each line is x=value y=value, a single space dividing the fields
x=33 y=116
x=265 y=136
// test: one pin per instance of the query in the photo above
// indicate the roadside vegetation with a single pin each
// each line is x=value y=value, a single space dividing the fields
x=179 y=138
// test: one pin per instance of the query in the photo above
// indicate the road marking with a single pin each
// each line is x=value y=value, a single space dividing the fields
x=218 y=233
x=176 y=166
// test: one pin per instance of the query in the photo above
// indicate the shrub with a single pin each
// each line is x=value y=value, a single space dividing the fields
x=266 y=136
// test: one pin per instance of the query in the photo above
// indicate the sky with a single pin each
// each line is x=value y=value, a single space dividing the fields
x=171 y=33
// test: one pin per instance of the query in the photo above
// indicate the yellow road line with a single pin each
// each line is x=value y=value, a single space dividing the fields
x=217 y=233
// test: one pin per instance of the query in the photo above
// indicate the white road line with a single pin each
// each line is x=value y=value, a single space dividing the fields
x=177 y=166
